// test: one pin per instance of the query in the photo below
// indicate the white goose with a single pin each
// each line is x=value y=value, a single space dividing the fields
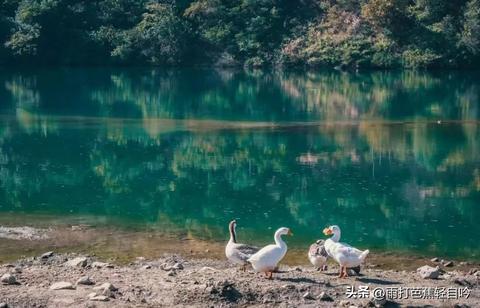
x=267 y=258
x=235 y=252
x=318 y=255
x=345 y=255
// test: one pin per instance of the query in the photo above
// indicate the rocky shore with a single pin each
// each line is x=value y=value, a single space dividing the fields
x=73 y=280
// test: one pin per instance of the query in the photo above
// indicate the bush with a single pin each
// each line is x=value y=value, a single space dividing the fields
x=416 y=58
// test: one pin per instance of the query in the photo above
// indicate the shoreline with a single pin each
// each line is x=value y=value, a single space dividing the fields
x=124 y=246
x=78 y=280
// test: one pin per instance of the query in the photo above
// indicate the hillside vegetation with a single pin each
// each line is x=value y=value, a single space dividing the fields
x=313 y=33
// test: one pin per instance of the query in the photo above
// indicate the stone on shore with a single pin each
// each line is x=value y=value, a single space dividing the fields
x=435 y=260
x=46 y=255
x=8 y=279
x=472 y=271
x=448 y=263
x=77 y=262
x=325 y=297
x=428 y=272
x=106 y=286
x=62 y=285
x=85 y=280
x=97 y=264
x=167 y=267
x=379 y=302
x=3 y=305
x=99 y=298
x=308 y=295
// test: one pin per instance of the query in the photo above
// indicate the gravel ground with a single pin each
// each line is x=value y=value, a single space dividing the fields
x=189 y=282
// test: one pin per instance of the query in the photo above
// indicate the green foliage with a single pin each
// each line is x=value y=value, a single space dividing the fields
x=367 y=33
x=159 y=38
x=413 y=58
x=470 y=37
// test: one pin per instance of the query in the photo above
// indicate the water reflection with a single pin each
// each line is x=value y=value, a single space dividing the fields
x=408 y=187
x=242 y=95
x=194 y=148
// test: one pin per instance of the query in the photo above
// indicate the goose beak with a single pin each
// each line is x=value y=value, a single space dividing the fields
x=289 y=232
x=327 y=231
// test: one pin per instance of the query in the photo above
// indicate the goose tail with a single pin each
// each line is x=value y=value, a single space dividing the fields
x=364 y=254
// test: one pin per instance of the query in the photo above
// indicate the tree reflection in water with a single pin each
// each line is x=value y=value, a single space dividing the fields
x=185 y=148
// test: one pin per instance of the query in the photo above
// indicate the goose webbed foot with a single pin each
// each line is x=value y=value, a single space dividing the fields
x=343 y=272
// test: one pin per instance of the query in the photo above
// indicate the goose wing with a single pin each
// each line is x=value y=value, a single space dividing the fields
x=243 y=252
x=247 y=249
x=349 y=251
x=317 y=250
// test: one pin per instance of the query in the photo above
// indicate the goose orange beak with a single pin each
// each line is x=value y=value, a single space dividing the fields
x=327 y=231
x=289 y=232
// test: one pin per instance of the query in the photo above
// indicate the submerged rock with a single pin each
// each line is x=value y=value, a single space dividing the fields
x=428 y=272
x=8 y=279
x=62 y=285
x=22 y=233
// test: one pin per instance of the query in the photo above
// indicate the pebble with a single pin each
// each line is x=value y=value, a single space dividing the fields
x=379 y=302
x=178 y=266
x=207 y=268
x=99 y=298
x=435 y=260
x=77 y=262
x=62 y=285
x=448 y=263
x=3 y=305
x=106 y=285
x=146 y=267
x=108 y=293
x=325 y=297
x=308 y=295
x=46 y=255
x=8 y=279
x=428 y=272
x=473 y=271
x=101 y=265
x=463 y=282
x=85 y=280
x=344 y=303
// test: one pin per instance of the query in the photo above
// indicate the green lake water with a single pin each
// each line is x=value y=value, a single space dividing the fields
x=393 y=158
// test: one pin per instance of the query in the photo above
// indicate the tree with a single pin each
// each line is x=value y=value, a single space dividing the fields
x=470 y=36
x=159 y=38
